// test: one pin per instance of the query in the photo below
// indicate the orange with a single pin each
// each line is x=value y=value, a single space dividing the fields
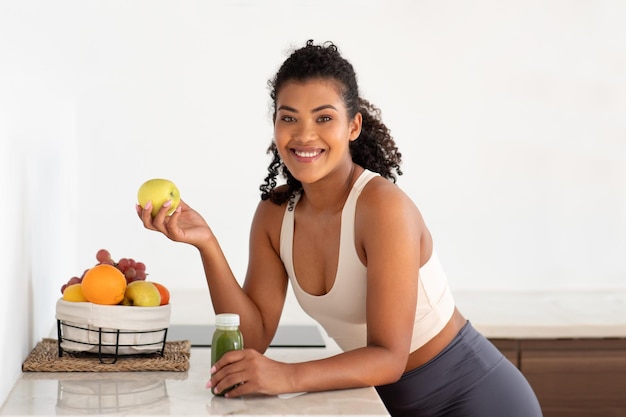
x=104 y=284
x=165 y=294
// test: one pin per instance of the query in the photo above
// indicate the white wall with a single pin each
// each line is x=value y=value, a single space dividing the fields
x=510 y=117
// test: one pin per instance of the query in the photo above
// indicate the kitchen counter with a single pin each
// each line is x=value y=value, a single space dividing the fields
x=546 y=314
x=498 y=315
x=175 y=393
x=183 y=393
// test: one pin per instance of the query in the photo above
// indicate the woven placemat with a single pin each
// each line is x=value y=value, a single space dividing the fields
x=45 y=358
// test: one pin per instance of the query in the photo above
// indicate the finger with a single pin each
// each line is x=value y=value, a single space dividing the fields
x=240 y=389
x=176 y=213
x=233 y=385
x=145 y=214
x=226 y=372
x=227 y=359
x=171 y=225
x=160 y=220
x=162 y=213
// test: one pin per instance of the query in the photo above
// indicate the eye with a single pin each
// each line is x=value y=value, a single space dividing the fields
x=323 y=119
x=288 y=119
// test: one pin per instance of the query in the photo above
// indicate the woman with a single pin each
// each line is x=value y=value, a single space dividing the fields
x=359 y=258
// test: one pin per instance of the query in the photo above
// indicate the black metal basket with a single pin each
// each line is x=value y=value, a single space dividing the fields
x=108 y=352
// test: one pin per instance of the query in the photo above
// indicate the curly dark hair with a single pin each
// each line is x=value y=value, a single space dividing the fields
x=374 y=149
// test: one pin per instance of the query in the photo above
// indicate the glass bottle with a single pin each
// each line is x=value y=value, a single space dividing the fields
x=226 y=337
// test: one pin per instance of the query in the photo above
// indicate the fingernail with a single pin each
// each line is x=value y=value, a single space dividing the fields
x=208 y=384
x=148 y=205
x=167 y=203
x=212 y=370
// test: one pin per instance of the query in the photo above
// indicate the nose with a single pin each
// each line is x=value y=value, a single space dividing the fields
x=304 y=131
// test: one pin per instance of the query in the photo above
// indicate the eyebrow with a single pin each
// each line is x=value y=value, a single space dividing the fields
x=322 y=107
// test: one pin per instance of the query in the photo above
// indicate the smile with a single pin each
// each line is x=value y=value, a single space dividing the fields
x=307 y=154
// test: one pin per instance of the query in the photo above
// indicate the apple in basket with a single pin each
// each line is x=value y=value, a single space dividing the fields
x=143 y=294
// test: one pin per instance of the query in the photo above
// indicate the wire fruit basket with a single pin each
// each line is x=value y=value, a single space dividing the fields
x=111 y=331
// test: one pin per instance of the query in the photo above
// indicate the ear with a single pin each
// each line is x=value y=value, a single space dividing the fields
x=355 y=126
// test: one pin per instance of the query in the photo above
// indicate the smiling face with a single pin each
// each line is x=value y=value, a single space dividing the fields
x=312 y=131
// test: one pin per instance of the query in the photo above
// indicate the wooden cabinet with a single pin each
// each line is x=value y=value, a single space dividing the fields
x=509 y=348
x=573 y=377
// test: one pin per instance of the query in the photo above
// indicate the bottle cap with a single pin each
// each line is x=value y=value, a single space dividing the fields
x=227 y=320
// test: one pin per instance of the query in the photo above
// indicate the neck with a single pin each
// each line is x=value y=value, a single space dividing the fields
x=330 y=194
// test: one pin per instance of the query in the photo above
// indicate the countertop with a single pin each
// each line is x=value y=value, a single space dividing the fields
x=515 y=315
x=175 y=394
x=546 y=314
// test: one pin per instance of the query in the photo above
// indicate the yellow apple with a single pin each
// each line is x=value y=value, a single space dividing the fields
x=158 y=191
x=142 y=293
x=74 y=293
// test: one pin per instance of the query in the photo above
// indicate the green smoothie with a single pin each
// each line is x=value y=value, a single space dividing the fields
x=226 y=337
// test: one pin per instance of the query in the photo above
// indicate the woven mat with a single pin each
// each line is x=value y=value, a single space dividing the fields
x=45 y=358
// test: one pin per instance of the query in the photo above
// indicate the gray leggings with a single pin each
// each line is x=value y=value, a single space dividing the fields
x=469 y=378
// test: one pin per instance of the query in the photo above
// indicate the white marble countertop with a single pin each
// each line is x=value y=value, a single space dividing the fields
x=529 y=315
x=175 y=394
x=546 y=314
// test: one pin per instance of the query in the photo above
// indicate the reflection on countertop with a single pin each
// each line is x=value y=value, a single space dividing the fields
x=108 y=393
x=150 y=393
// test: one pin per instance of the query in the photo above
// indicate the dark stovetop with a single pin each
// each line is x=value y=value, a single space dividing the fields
x=286 y=335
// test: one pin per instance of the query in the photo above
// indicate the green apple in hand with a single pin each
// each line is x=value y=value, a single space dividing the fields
x=158 y=191
x=142 y=293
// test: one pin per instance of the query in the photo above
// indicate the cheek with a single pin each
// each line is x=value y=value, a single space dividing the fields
x=281 y=145
x=282 y=135
x=282 y=152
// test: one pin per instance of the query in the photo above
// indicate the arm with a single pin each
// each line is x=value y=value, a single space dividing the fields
x=259 y=303
x=389 y=235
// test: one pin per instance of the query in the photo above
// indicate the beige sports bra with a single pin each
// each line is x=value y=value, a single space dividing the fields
x=341 y=311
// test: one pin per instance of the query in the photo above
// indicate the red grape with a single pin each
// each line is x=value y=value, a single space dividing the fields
x=103 y=256
x=74 y=280
x=130 y=273
x=132 y=270
x=123 y=264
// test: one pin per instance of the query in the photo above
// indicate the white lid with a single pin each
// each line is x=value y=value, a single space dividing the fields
x=227 y=320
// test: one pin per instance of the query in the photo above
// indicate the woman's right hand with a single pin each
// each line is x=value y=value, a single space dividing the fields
x=184 y=225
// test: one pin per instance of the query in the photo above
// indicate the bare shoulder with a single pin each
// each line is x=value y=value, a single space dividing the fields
x=268 y=220
x=386 y=213
x=382 y=197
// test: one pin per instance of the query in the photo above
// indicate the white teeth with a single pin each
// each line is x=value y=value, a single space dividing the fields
x=304 y=154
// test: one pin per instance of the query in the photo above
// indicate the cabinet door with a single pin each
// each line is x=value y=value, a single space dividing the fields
x=577 y=377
